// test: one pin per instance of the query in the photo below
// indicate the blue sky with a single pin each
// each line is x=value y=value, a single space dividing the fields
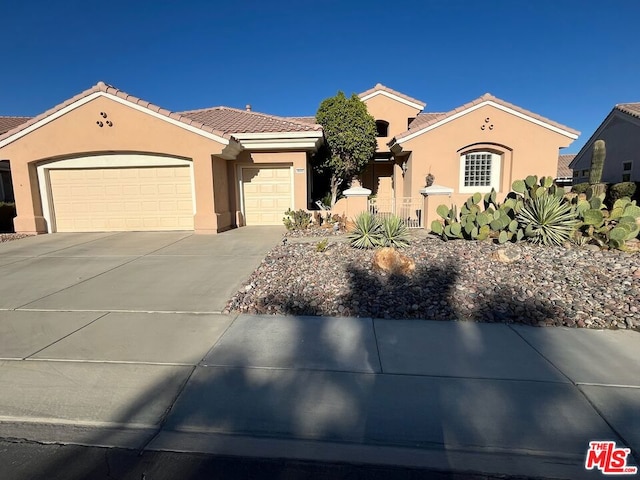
x=568 y=60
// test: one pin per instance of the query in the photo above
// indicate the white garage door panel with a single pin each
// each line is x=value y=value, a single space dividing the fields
x=267 y=194
x=122 y=199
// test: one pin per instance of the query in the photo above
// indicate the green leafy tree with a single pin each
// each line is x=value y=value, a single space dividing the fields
x=350 y=134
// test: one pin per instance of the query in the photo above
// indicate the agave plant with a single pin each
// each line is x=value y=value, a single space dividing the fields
x=367 y=232
x=547 y=220
x=395 y=232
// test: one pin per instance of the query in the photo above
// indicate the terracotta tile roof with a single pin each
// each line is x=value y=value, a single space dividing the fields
x=9 y=123
x=308 y=119
x=380 y=87
x=233 y=120
x=477 y=101
x=103 y=87
x=632 y=109
x=563 y=166
x=424 y=118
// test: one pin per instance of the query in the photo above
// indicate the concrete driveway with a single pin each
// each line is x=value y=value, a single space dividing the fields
x=130 y=271
x=114 y=340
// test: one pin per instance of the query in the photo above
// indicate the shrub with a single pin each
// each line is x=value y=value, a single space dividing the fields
x=367 y=232
x=326 y=200
x=322 y=245
x=547 y=220
x=580 y=187
x=621 y=190
x=7 y=214
x=394 y=232
x=298 y=220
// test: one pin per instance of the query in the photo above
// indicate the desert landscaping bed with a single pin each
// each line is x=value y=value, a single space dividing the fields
x=8 y=237
x=454 y=280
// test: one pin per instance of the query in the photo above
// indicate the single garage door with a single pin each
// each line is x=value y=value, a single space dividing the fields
x=267 y=194
x=122 y=199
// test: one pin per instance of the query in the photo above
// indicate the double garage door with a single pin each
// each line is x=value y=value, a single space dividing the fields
x=149 y=198
x=122 y=199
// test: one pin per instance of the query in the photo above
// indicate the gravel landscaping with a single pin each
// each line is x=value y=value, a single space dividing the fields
x=7 y=237
x=455 y=280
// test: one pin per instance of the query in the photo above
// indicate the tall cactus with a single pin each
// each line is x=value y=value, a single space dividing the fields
x=597 y=164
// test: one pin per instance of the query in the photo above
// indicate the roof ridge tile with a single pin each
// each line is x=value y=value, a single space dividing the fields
x=630 y=108
x=250 y=112
x=384 y=88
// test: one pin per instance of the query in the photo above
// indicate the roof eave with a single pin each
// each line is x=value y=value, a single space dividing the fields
x=417 y=105
x=232 y=150
x=103 y=90
x=309 y=140
x=394 y=146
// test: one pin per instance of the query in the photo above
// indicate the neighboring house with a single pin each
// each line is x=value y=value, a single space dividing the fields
x=621 y=133
x=564 y=177
x=106 y=160
x=487 y=143
x=6 y=186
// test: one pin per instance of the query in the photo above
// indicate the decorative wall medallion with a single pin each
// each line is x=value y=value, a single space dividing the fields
x=487 y=124
x=101 y=124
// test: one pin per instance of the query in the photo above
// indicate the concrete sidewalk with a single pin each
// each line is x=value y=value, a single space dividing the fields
x=460 y=397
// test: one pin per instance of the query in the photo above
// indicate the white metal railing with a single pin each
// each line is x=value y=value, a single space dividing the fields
x=407 y=208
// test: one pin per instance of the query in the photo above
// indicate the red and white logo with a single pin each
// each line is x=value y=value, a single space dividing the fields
x=609 y=459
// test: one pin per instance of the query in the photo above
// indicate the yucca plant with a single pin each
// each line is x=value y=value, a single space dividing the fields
x=547 y=220
x=367 y=232
x=395 y=232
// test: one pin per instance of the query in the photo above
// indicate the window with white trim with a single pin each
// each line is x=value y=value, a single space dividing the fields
x=479 y=172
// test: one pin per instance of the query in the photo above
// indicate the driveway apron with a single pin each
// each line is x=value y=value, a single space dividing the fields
x=131 y=271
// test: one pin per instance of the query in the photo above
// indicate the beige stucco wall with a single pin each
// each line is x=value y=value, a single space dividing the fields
x=396 y=113
x=296 y=159
x=76 y=134
x=371 y=175
x=525 y=148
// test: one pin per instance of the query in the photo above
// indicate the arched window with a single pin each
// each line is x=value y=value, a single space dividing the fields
x=383 y=128
x=479 y=171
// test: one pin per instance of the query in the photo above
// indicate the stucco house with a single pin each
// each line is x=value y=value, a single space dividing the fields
x=484 y=144
x=6 y=187
x=105 y=160
x=621 y=133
